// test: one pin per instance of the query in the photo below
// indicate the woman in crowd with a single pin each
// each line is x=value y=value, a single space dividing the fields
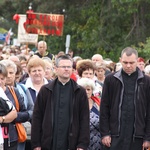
x=36 y=70
x=9 y=117
x=12 y=68
x=23 y=63
x=117 y=67
x=22 y=115
x=94 y=105
x=100 y=74
x=49 y=68
x=11 y=81
x=19 y=73
x=141 y=63
x=86 y=69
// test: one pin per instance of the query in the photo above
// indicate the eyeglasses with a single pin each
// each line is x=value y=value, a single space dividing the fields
x=64 y=67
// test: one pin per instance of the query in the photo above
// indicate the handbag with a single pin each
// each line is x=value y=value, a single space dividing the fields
x=4 y=107
x=22 y=136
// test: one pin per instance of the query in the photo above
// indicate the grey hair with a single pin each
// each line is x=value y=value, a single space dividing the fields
x=63 y=57
x=97 y=55
x=9 y=63
x=84 y=82
x=47 y=59
x=129 y=51
x=42 y=42
x=147 y=70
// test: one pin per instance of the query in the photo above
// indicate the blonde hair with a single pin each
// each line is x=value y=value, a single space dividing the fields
x=35 y=62
x=100 y=66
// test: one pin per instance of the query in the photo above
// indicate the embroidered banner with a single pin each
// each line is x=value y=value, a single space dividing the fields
x=44 y=24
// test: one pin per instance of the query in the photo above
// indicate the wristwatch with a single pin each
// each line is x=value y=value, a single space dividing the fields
x=3 y=119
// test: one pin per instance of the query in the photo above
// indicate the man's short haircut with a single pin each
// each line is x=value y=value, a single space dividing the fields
x=63 y=57
x=42 y=43
x=129 y=51
x=97 y=55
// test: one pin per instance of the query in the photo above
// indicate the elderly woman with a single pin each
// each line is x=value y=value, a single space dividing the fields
x=23 y=115
x=11 y=81
x=36 y=70
x=24 y=92
x=95 y=137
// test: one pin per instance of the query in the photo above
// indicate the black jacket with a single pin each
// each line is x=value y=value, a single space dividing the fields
x=42 y=121
x=111 y=102
x=51 y=56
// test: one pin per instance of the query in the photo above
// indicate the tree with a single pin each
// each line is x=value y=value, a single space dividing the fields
x=95 y=26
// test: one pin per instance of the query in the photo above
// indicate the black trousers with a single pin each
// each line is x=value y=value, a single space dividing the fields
x=28 y=145
x=11 y=146
x=136 y=144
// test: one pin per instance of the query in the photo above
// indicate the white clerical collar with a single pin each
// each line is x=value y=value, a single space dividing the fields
x=63 y=83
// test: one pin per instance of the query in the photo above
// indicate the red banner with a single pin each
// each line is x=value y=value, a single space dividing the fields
x=44 y=24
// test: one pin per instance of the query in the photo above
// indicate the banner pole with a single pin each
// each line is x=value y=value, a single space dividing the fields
x=44 y=38
x=27 y=48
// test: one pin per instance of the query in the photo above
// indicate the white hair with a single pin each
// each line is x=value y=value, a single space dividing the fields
x=84 y=82
x=147 y=70
x=9 y=63
x=98 y=55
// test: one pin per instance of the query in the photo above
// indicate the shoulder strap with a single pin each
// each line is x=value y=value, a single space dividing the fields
x=99 y=82
x=23 y=87
x=13 y=93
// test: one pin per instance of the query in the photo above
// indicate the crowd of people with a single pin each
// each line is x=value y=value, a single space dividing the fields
x=67 y=102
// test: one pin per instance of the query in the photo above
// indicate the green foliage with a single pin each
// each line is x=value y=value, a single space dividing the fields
x=2 y=31
x=144 y=49
x=95 y=26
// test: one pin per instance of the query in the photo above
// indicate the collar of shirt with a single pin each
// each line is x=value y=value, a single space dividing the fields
x=29 y=83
